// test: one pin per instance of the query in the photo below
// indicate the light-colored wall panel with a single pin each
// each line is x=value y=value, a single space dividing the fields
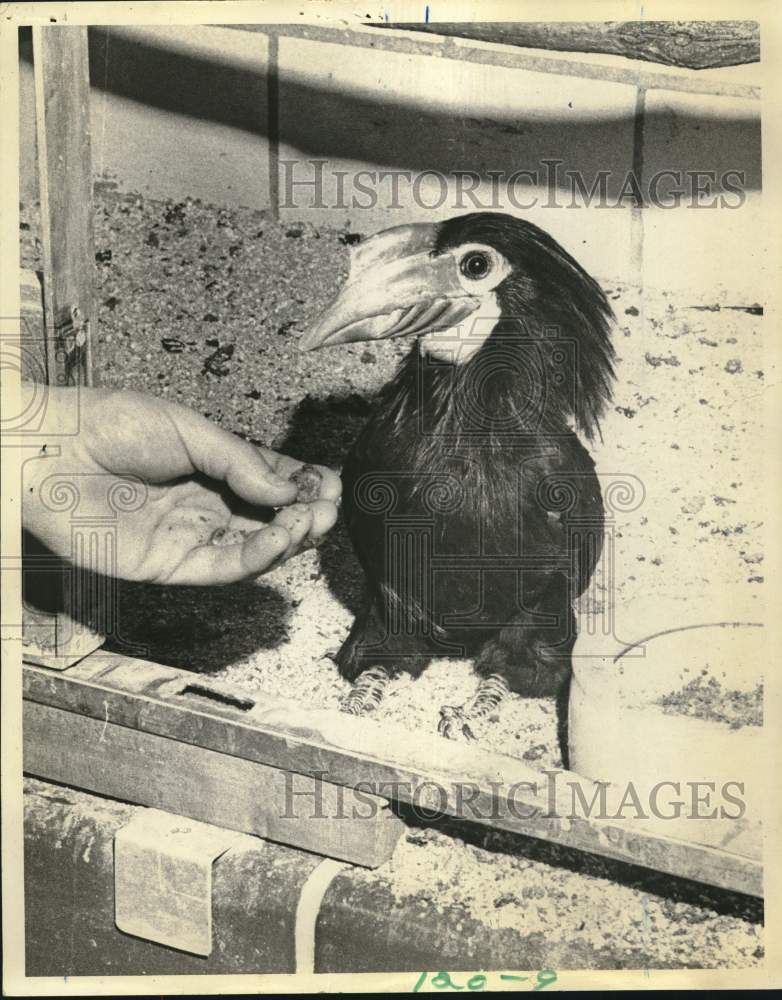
x=716 y=245
x=365 y=111
x=176 y=111
x=182 y=111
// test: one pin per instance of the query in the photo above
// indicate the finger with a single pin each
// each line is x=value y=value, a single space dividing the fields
x=331 y=485
x=228 y=458
x=214 y=564
x=285 y=466
x=247 y=524
x=297 y=521
x=324 y=516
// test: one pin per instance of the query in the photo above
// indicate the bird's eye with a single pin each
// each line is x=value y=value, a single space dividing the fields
x=475 y=265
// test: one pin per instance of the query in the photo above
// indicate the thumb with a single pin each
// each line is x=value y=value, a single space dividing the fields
x=224 y=456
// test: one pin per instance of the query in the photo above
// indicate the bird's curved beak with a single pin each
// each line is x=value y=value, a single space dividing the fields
x=396 y=287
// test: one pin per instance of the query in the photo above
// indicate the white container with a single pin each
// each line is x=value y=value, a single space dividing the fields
x=618 y=732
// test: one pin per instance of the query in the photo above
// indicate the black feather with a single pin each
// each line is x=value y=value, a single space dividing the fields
x=472 y=505
x=549 y=302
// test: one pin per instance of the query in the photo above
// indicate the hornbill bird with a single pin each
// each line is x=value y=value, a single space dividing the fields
x=471 y=503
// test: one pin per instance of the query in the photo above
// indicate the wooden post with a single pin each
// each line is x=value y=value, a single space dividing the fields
x=59 y=347
x=62 y=111
x=273 y=120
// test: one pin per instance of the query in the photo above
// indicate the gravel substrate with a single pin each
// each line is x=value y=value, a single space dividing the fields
x=705 y=698
x=575 y=901
x=204 y=306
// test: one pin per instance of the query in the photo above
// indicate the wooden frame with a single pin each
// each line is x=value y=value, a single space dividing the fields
x=112 y=712
x=684 y=44
x=647 y=76
x=432 y=773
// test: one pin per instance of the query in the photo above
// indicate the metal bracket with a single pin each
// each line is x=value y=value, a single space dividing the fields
x=71 y=338
x=72 y=331
x=163 y=879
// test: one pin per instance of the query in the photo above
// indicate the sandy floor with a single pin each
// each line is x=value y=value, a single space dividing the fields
x=535 y=891
x=204 y=306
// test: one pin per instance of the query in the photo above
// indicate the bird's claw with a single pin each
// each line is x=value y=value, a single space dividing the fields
x=453 y=724
x=356 y=705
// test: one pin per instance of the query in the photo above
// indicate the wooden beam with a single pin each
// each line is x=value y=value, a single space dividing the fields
x=427 y=771
x=62 y=111
x=59 y=318
x=686 y=44
x=410 y=42
x=217 y=788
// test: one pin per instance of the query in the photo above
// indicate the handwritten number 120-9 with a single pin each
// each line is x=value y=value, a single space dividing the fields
x=477 y=983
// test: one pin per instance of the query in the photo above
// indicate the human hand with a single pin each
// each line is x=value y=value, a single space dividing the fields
x=194 y=481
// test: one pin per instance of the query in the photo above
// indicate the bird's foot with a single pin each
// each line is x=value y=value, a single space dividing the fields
x=456 y=721
x=454 y=724
x=356 y=704
x=367 y=691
